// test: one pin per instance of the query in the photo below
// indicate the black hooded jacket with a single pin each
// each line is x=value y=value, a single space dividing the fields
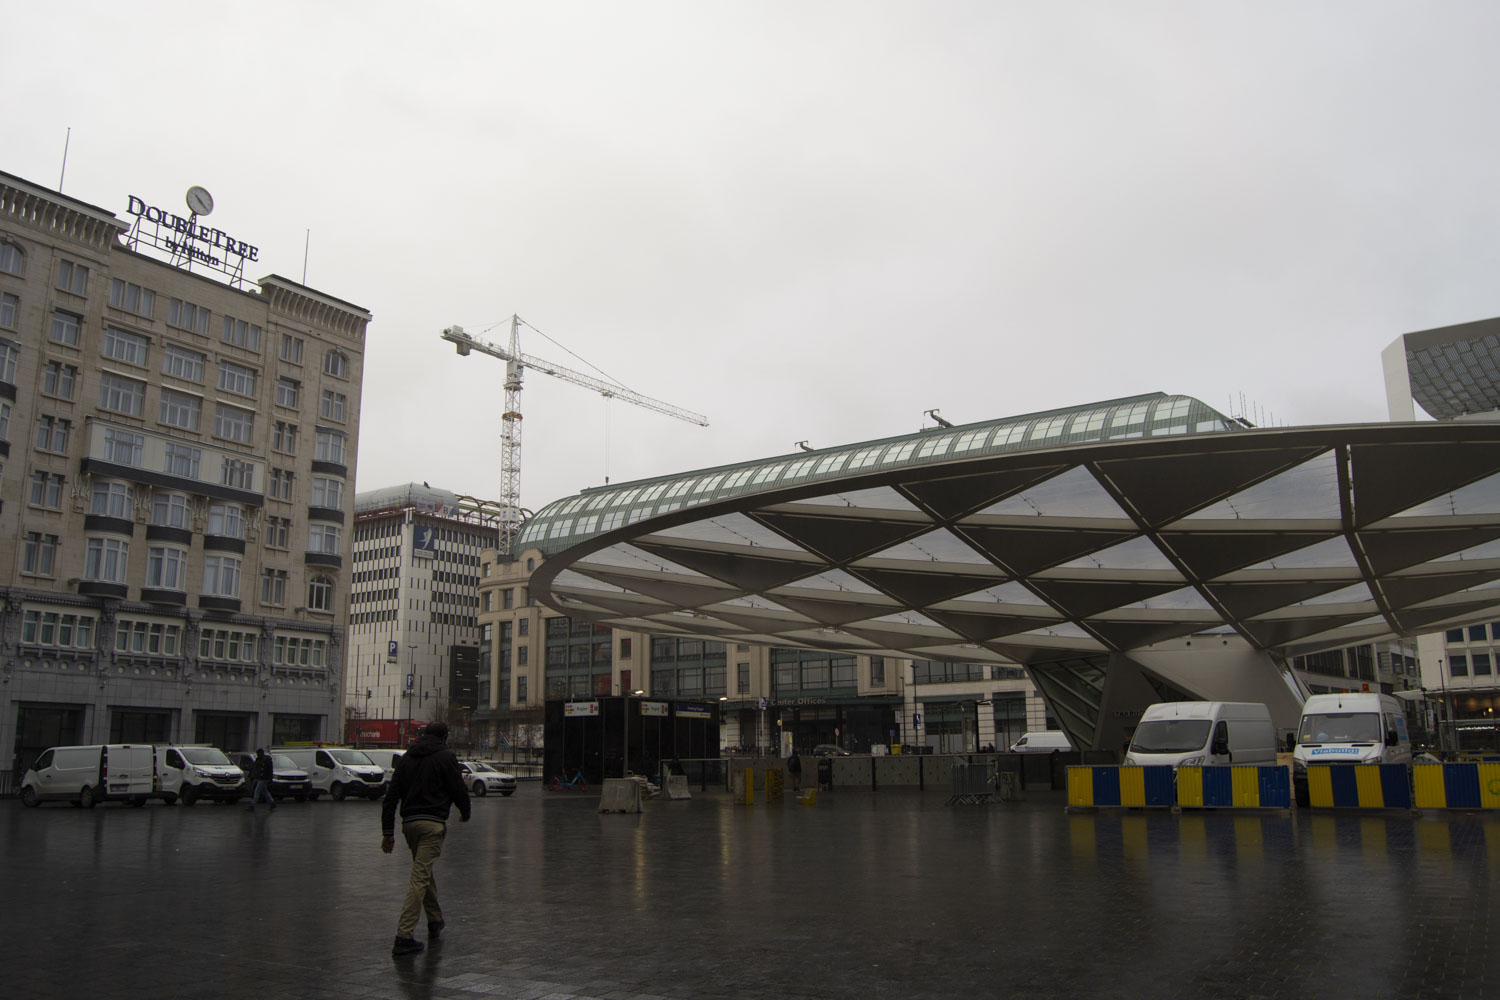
x=426 y=784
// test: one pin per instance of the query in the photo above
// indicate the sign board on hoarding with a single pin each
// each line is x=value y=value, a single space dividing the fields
x=578 y=708
x=654 y=708
x=687 y=710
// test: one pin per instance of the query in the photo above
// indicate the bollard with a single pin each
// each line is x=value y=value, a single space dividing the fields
x=773 y=784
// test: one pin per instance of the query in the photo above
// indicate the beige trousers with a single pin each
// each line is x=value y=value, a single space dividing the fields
x=425 y=838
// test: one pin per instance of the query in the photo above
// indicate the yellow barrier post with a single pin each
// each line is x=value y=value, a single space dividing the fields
x=773 y=784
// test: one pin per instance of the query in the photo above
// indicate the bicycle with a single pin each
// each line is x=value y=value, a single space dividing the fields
x=559 y=783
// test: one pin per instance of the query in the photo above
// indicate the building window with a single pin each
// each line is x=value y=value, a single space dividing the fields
x=130 y=348
x=273 y=587
x=1458 y=666
x=524 y=627
x=110 y=499
x=323 y=538
x=237 y=378
x=522 y=655
x=291 y=349
x=286 y=392
x=132 y=298
x=877 y=671
x=52 y=433
x=487 y=601
x=330 y=446
x=284 y=437
x=166 y=567
x=507 y=599
x=4 y=423
x=147 y=638
x=320 y=594
x=327 y=492
x=221 y=575
x=53 y=628
x=10 y=355
x=294 y=652
x=278 y=532
x=47 y=490
x=169 y=510
x=335 y=363
x=65 y=326
x=72 y=278
x=187 y=316
x=12 y=260
x=106 y=559
x=281 y=484
x=122 y=395
x=58 y=379
x=331 y=405
x=742 y=678
x=182 y=460
x=232 y=645
x=179 y=409
x=123 y=447
x=40 y=554
x=233 y=423
x=224 y=520
x=9 y=307
x=237 y=473
x=241 y=334
x=179 y=362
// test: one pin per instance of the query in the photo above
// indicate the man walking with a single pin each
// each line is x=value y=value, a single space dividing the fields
x=426 y=784
x=261 y=773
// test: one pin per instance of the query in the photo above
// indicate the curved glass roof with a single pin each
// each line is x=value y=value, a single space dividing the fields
x=566 y=522
x=1296 y=539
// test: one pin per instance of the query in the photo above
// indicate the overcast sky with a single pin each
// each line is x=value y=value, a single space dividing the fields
x=804 y=220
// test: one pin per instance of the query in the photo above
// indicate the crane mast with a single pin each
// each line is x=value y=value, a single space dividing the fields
x=516 y=364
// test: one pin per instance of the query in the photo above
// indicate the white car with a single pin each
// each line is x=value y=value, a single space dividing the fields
x=483 y=779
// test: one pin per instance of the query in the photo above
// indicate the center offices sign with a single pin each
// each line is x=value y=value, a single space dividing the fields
x=189 y=239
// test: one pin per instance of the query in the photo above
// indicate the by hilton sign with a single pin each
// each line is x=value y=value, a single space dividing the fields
x=196 y=241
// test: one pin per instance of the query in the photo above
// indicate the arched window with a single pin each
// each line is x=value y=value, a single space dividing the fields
x=335 y=363
x=320 y=594
x=12 y=260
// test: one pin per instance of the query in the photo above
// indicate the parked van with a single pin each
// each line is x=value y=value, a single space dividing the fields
x=90 y=774
x=386 y=758
x=286 y=778
x=1353 y=728
x=190 y=773
x=1045 y=741
x=1203 y=733
x=338 y=771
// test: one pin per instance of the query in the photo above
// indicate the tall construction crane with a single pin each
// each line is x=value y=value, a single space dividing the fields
x=516 y=364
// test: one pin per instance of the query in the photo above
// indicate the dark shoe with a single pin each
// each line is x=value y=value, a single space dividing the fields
x=435 y=929
x=406 y=946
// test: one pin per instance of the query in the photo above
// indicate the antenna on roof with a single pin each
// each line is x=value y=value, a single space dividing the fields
x=64 y=173
x=804 y=446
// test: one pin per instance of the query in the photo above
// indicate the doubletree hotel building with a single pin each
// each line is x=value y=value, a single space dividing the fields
x=176 y=466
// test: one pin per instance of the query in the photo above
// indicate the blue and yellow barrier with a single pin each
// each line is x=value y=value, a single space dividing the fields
x=1359 y=786
x=1120 y=786
x=1229 y=787
x=1456 y=786
x=1248 y=786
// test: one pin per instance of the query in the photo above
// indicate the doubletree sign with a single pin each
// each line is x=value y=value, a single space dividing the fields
x=193 y=239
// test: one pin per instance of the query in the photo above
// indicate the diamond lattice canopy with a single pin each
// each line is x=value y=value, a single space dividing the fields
x=1095 y=529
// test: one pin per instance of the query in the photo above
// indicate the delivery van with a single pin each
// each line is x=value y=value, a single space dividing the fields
x=386 y=758
x=188 y=773
x=1352 y=728
x=1202 y=734
x=338 y=771
x=1044 y=741
x=87 y=775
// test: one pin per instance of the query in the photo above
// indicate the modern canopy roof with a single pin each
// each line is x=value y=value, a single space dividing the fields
x=1294 y=538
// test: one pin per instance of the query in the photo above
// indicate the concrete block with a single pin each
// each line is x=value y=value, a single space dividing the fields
x=621 y=795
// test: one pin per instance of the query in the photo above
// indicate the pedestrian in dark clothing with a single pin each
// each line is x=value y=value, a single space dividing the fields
x=261 y=773
x=426 y=784
x=794 y=768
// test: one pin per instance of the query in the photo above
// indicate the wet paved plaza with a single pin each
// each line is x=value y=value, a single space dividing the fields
x=889 y=894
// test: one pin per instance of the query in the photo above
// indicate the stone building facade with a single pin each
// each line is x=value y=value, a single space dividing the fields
x=177 y=459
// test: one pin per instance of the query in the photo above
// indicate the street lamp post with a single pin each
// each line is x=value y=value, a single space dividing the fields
x=1447 y=707
x=411 y=681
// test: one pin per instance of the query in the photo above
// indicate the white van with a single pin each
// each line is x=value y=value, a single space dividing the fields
x=386 y=758
x=1203 y=733
x=338 y=771
x=1045 y=741
x=190 y=773
x=90 y=774
x=1352 y=728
